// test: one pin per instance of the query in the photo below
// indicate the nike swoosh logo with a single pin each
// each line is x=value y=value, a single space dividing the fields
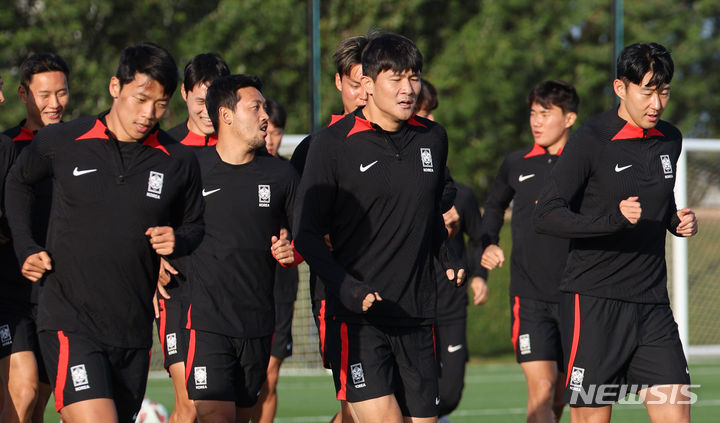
x=364 y=168
x=78 y=172
x=206 y=193
x=437 y=400
x=453 y=348
x=620 y=169
x=525 y=177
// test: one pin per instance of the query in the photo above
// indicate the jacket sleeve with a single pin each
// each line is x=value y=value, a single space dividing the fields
x=499 y=198
x=554 y=215
x=472 y=222
x=313 y=204
x=189 y=227
x=32 y=165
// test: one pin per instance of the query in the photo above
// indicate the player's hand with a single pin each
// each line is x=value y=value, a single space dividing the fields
x=166 y=270
x=370 y=300
x=162 y=239
x=282 y=250
x=454 y=267
x=458 y=277
x=630 y=208
x=688 y=223
x=492 y=257
x=481 y=292
x=452 y=221
x=36 y=265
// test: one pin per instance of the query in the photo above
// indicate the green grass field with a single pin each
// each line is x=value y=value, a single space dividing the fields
x=494 y=392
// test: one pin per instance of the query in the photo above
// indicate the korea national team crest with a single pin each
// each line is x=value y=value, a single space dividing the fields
x=5 y=336
x=667 y=166
x=171 y=342
x=358 y=376
x=155 y=185
x=201 y=381
x=79 y=377
x=426 y=158
x=524 y=341
x=576 y=378
x=263 y=195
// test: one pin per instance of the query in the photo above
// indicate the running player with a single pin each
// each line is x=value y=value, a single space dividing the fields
x=537 y=261
x=118 y=182
x=44 y=91
x=197 y=132
x=285 y=288
x=384 y=221
x=248 y=196
x=611 y=192
x=348 y=63
x=450 y=327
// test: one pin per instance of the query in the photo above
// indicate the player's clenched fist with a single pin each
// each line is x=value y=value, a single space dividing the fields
x=688 y=225
x=36 y=265
x=630 y=208
x=492 y=257
x=369 y=300
x=162 y=239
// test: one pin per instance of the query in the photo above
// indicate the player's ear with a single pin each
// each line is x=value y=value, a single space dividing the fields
x=22 y=93
x=338 y=81
x=620 y=88
x=114 y=87
x=183 y=93
x=368 y=85
x=570 y=119
x=225 y=115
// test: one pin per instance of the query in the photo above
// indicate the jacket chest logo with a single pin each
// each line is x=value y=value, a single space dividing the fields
x=666 y=165
x=426 y=158
x=263 y=195
x=155 y=185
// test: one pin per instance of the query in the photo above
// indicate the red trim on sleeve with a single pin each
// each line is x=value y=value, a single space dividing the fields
x=97 y=132
x=516 y=323
x=575 y=339
x=62 y=370
x=344 y=351
x=361 y=125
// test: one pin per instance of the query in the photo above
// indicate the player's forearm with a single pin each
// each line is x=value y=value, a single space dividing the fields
x=18 y=202
x=554 y=217
x=188 y=237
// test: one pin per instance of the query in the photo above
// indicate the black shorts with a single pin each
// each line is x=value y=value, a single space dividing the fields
x=18 y=333
x=535 y=327
x=282 y=341
x=82 y=369
x=376 y=361
x=617 y=347
x=451 y=341
x=328 y=334
x=224 y=368
x=171 y=331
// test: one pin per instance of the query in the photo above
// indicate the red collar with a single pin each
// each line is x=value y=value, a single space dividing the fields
x=631 y=132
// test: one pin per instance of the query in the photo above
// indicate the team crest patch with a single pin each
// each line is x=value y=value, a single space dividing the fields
x=200 y=377
x=5 y=336
x=426 y=158
x=263 y=195
x=358 y=376
x=171 y=342
x=79 y=377
x=155 y=185
x=524 y=341
x=666 y=165
x=576 y=378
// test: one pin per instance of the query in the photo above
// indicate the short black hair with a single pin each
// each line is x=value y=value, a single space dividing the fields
x=149 y=59
x=555 y=93
x=349 y=54
x=390 y=51
x=638 y=59
x=276 y=113
x=223 y=93
x=204 y=68
x=42 y=62
x=427 y=98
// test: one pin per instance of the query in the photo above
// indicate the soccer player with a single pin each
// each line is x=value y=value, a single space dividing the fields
x=451 y=324
x=537 y=260
x=611 y=192
x=200 y=72
x=44 y=91
x=248 y=196
x=348 y=63
x=197 y=132
x=374 y=182
x=124 y=194
x=285 y=288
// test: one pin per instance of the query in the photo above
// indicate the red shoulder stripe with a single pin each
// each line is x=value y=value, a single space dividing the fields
x=152 y=141
x=361 y=125
x=97 y=132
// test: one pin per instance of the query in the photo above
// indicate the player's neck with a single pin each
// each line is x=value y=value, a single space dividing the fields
x=33 y=124
x=384 y=120
x=233 y=152
x=559 y=144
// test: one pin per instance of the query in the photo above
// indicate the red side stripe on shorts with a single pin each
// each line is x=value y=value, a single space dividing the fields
x=62 y=369
x=516 y=323
x=322 y=329
x=189 y=321
x=344 y=351
x=163 y=323
x=190 y=356
x=434 y=339
x=576 y=339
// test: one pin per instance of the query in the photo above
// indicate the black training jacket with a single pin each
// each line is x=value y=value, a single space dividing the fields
x=606 y=161
x=233 y=271
x=377 y=195
x=106 y=194
x=537 y=260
